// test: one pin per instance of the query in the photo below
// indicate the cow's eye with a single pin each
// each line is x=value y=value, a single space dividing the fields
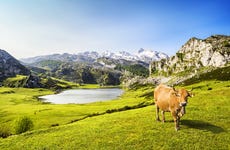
x=178 y=95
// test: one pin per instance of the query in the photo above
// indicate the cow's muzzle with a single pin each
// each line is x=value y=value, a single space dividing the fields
x=183 y=104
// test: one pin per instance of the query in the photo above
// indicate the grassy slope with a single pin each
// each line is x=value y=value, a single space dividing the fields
x=205 y=126
x=222 y=74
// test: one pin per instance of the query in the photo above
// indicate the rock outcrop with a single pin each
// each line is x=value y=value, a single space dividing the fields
x=196 y=54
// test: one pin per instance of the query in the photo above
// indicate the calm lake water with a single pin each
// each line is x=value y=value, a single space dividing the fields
x=82 y=96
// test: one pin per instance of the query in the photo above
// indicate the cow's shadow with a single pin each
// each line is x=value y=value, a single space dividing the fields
x=201 y=125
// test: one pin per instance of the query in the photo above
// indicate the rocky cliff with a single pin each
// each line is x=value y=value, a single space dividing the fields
x=10 y=67
x=195 y=55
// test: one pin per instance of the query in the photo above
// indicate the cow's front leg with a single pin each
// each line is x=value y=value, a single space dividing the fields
x=157 y=113
x=176 y=120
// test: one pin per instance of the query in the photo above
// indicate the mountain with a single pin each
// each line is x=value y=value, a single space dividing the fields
x=10 y=67
x=91 y=56
x=60 y=57
x=196 y=59
x=196 y=56
x=14 y=74
x=120 y=55
x=92 y=67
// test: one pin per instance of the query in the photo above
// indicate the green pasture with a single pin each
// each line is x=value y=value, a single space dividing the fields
x=18 y=102
x=125 y=123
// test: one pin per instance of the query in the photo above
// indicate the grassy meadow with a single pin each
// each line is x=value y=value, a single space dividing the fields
x=125 y=123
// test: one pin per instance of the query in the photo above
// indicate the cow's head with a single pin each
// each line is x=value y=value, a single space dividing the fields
x=183 y=95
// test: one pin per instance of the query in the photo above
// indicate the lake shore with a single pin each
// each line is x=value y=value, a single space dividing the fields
x=83 y=96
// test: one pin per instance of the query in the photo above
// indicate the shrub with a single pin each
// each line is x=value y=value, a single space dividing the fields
x=226 y=44
x=209 y=88
x=180 y=56
x=54 y=125
x=23 y=124
x=4 y=131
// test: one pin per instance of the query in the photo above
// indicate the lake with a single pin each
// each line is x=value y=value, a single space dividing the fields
x=82 y=96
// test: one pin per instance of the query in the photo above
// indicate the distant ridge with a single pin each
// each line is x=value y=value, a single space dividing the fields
x=91 y=56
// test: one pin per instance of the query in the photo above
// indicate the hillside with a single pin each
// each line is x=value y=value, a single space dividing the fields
x=32 y=81
x=14 y=74
x=221 y=74
x=10 y=67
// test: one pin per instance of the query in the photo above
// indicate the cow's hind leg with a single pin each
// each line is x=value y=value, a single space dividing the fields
x=157 y=113
x=163 y=116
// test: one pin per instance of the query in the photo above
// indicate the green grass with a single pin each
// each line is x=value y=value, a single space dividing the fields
x=52 y=83
x=96 y=86
x=18 y=77
x=89 y=86
x=17 y=81
x=222 y=74
x=205 y=126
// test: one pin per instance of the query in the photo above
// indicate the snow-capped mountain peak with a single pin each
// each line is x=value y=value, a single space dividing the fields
x=142 y=55
x=107 y=54
x=90 y=56
x=150 y=55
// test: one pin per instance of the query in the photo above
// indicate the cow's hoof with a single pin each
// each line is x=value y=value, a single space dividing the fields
x=177 y=128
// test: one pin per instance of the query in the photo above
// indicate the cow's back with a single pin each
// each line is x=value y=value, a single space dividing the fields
x=161 y=92
x=162 y=95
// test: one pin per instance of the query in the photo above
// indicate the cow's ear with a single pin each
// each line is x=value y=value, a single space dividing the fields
x=190 y=94
x=173 y=88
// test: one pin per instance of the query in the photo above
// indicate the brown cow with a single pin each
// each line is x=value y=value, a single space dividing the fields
x=171 y=100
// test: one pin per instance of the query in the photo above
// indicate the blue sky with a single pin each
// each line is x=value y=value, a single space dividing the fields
x=39 y=27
